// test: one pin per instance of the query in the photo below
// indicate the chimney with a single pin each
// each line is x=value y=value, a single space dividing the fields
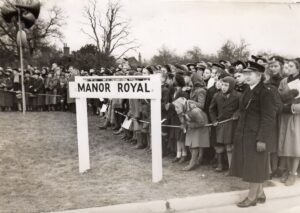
x=140 y=59
x=66 y=50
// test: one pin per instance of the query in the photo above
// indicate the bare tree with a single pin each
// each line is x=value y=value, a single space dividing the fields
x=232 y=51
x=108 y=31
x=38 y=36
x=194 y=55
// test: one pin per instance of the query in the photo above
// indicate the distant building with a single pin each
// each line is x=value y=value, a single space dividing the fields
x=140 y=59
x=66 y=50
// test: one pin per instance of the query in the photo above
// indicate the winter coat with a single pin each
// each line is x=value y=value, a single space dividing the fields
x=198 y=92
x=197 y=136
x=289 y=123
x=223 y=107
x=278 y=103
x=135 y=109
x=69 y=99
x=256 y=123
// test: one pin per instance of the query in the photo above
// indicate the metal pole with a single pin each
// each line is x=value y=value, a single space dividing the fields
x=21 y=62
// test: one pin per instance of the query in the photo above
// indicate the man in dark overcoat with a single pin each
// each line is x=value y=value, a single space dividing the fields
x=252 y=137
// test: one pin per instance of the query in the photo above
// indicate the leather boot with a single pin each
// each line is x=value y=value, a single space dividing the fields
x=219 y=163
x=182 y=159
x=194 y=160
x=139 y=142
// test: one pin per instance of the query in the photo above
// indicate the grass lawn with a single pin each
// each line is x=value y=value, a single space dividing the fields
x=39 y=168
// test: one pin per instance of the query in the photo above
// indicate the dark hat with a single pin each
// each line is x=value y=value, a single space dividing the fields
x=254 y=67
x=157 y=67
x=259 y=57
x=37 y=72
x=16 y=69
x=178 y=66
x=191 y=65
x=239 y=62
x=223 y=62
x=168 y=67
x=182 y=68
x=221 y=66
x=201 y=66
x=223 y=74
x=150 y=69
x=179 y=80
x=131 y=72
x=276 y=58
x=298 y=60
x=180 y=72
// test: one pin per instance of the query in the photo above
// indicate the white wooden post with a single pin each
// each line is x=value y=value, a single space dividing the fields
x=81 y=90
x=156 y=132
x=82 y=135
x=156 y=140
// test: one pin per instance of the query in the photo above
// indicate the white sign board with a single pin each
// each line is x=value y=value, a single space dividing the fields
x=127 y=87
x=114 y=89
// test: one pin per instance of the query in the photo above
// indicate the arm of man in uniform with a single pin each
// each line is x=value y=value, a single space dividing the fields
x=267 y=119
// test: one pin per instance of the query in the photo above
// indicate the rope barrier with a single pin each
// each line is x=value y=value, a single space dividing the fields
x=173 y=126
x=30 y=93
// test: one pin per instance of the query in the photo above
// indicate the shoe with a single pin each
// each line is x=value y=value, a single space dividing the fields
x=291 y=180
x=261 y=199
x=116 y=128
x=133 y=141
x=277 y=173
x=139 y=147
x=189 y=167
x=219 y=169
x=246 y=203
x=102 y=127
x=182 y=159
x=284 y=177
x=118 y=132
x=175 y=160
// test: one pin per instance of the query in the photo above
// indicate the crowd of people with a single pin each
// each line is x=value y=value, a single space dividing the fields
x=242 y=117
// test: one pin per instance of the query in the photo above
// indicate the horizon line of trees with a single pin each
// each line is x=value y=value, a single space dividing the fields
x=109 y=33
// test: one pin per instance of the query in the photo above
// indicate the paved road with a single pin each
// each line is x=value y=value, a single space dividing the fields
x=287 y=205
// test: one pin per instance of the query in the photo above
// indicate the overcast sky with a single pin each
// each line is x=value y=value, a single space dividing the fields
x=180 y=25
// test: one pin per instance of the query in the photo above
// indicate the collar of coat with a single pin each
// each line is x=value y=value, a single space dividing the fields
x=256 y=90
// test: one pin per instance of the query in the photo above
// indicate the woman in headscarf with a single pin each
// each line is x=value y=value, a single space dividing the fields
x=197 y=136
x=198 y=97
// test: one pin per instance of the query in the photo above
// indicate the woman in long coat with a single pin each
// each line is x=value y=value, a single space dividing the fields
x=289 y=130
x=272 y=80
x=252 y=141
